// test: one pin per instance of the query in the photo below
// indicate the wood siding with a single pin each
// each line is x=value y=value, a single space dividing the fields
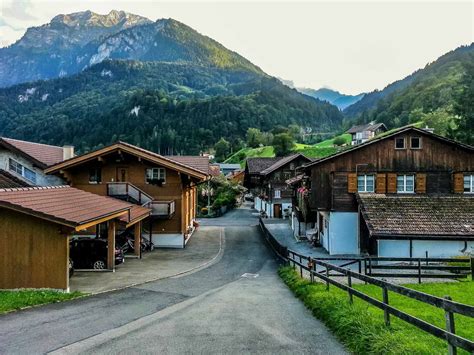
x=438 y=160
x=34 y=252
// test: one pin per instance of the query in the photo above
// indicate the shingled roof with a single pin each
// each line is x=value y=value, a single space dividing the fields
x=42 y=154
x=282 y=162
x=8 y=180
x=257 y=165
x=366 y=127
x=196 y=162
x=415 y=215
x=63 y=204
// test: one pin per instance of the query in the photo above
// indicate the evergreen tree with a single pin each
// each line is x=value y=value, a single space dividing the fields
x=222 y=148
x=283 y=143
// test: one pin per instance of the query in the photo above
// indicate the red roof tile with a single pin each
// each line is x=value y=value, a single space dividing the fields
x=62 y=204
x=136 y=213
x=43 y=153
x=196 y=162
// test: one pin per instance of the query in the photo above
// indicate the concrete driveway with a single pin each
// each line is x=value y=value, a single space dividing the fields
x=237 y=304
x=203 y=247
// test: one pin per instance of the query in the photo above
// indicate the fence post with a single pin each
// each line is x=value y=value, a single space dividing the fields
x=360 y=266
x=310 y=267
x=426 y=254
x=301 y=268
x=365 y=268
x=386 y=314
x=472 y=268
x=449 y=317
x=349 y=283
x=419 y=270
x=327 y=275
x=370 y=266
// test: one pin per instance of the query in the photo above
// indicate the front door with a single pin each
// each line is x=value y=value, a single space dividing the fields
x=122 y=174
x=277 y=211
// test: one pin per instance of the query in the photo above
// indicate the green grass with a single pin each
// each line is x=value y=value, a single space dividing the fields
x=360 y=326
x=330 y=142
x=14 y=300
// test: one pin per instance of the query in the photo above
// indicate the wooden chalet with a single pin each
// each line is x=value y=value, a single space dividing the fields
x=166 y=185
x=408 y=162
x=265 y=178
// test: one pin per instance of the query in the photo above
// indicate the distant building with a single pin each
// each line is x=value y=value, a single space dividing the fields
x=363 y=133
x=22 y=162
x=228 y=168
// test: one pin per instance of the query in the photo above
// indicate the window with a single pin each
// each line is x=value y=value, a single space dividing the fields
x=277 y=175
x=292 y=166
x=155 y=175
x=286 y=175
x=468 y=184
x=277 y=194
x=365 y=183
x=415 y=142
x=405 y=183
x=399 y=143
x=95 y=176
x=21 y=170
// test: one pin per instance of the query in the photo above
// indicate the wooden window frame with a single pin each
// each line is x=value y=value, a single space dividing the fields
x=404 y=143
x=159 y=171
x=19 y=169
x=405 y=184
x=471 y=183
x=277 y=193
x=365 y=183
x=411 y=143
x=96 y=175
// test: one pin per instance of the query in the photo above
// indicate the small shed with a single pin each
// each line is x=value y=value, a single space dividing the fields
x=36 y=224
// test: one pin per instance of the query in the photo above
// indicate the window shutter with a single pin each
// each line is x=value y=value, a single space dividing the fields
x=391 y=183
x=352 y=182
x=458 y=183
x=420 y=183
x=381 y=186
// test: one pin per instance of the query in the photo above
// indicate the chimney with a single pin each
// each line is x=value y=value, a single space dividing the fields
x=68 y=152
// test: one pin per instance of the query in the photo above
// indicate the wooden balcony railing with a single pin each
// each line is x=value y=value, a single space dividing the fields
x=129 y=192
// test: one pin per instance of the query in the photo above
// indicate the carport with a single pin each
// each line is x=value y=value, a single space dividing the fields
x=36 y=224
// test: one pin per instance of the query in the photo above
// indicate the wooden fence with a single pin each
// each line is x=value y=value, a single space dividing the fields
x=450 y=307
x=329 y=271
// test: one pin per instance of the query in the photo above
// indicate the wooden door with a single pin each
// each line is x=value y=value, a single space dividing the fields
x=277 y=211
x=122 y=174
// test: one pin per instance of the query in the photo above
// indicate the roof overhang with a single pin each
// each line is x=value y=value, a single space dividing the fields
x=130 y=149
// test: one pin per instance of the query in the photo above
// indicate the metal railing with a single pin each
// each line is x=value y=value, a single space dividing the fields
x=128 y=191
x=164 y=209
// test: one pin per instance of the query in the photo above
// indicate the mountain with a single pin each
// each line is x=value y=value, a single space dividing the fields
x=72 y=43
x=334 y=97
x=429 y=89
x=159 y=85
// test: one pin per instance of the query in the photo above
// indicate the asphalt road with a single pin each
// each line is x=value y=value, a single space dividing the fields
x=214 y=310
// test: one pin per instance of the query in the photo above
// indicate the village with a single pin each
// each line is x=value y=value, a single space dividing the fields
x=393 y=205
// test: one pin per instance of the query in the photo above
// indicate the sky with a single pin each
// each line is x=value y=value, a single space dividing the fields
x=351 y=46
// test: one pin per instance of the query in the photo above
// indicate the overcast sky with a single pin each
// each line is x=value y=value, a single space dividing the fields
x=351 y=46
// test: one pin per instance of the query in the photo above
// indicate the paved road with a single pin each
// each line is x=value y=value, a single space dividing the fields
x=214 y=310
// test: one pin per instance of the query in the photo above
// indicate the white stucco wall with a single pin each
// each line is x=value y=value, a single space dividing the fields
x=41 y=178
x=258 y=204
x=436 y=249
x=166 y=240
x=343 y=233
x=324 y=237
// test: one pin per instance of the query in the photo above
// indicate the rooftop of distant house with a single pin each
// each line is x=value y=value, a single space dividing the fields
x=372 y=126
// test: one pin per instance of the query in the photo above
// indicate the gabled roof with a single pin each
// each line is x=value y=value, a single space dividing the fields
x=63 y=204
x=133 y=150
x=257 y=165
x=8 y=180
x=418 y=215
x=42 y=155
x=389 y=135
x=196 y=162
x=366 y=127
x=283 y=161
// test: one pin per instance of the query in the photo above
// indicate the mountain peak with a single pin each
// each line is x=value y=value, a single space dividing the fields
x=89 y=18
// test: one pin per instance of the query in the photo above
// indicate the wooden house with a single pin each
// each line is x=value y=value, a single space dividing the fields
x=166 y=185
x=266 y=180
x=408 y=162
x=362 y=133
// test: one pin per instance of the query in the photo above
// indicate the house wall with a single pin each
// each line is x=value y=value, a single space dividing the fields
x=41 y=178
x=171 y=190
x=34 y=252
x=435 y=248
x=343 y=233
x=437 y=159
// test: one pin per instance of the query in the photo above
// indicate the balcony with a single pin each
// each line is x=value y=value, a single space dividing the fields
x=162 y=209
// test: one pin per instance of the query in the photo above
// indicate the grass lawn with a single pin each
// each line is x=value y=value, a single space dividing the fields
x=13 y=300
x=361 y=326
x=330 y=142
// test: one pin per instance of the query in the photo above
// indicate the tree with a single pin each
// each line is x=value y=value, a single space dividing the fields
x=254 y=137
x=222 y=148
x=283 y=143
x=464 y=107
x=339 y=141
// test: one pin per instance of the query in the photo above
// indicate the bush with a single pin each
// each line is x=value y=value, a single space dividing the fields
x=339 y=141
x=204 y=211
